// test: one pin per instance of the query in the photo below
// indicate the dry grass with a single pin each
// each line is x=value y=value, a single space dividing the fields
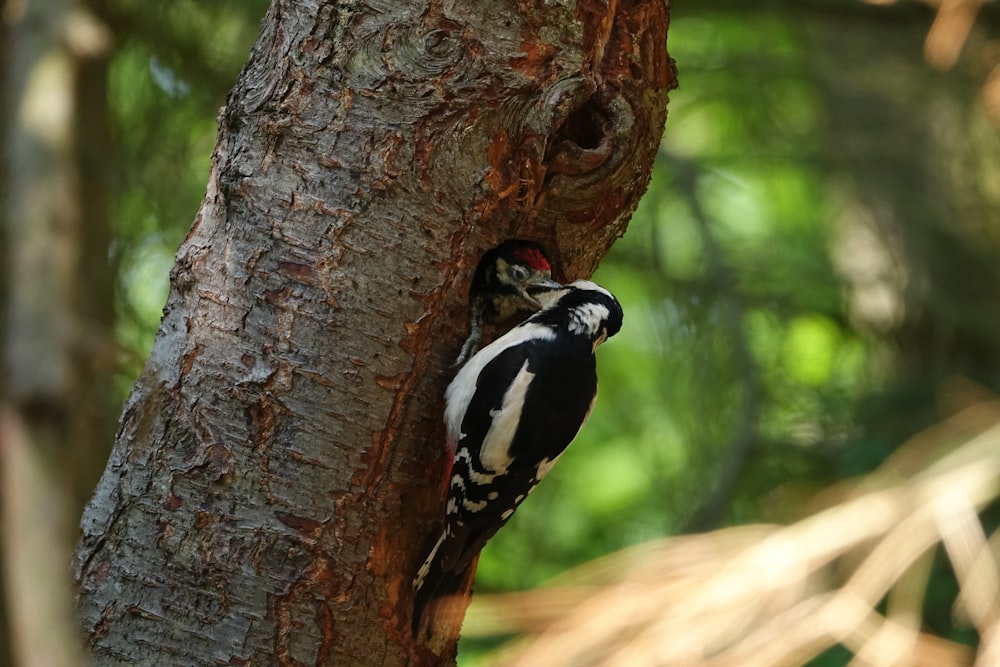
x=780 y=595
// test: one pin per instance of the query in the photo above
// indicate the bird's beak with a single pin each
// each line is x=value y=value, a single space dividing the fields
x=538 y=286
x=544 y=284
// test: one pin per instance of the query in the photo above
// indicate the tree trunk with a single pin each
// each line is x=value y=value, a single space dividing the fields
x=55 y=421
x=278 y=470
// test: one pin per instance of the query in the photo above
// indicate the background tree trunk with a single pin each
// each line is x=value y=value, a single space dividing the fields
x=277 y=472
x=55 y=421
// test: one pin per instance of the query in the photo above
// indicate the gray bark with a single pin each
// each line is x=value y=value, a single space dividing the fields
x=279 y=465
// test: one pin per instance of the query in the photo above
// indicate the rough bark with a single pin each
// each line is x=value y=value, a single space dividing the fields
x=278 y=468
x=54 y=418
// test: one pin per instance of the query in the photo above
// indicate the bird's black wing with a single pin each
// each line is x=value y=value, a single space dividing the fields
x=559 y=383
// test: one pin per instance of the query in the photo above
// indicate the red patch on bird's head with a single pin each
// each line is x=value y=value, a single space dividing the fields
x=533 y=258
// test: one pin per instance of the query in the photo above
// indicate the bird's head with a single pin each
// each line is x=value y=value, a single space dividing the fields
x=509 y=277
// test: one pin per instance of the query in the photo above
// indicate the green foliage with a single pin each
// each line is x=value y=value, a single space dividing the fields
x=742 y=322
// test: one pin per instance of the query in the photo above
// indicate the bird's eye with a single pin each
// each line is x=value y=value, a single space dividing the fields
x=518 y=272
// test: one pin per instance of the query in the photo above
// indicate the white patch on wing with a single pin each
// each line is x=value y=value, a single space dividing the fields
x=481 y=478
x=463 y=387
x=495 y=452
x=474 y=475
x=474 y=506
x=544 y=467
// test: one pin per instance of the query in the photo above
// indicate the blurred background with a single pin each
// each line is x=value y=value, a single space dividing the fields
x=812 y=279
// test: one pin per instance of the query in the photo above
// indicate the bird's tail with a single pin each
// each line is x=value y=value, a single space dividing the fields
x=436 y=603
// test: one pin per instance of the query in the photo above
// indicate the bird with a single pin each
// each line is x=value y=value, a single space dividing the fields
x=510 y=412
x=501 y=287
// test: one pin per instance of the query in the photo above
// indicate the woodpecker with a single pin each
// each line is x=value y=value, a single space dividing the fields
x=501 y=287
x=510 y=412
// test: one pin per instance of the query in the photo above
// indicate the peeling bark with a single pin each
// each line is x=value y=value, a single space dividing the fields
x=278 y=467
